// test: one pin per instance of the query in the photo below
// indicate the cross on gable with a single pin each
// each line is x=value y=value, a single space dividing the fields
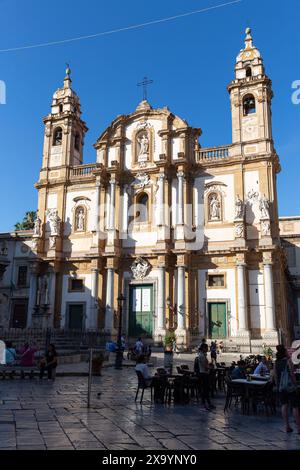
x=144 y=83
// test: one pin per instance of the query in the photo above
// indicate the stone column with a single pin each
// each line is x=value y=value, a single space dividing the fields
x=109 y=309
x=160 y=330
x=181 y=297
x=111 y=215
x=160 y=200
x=269 y=297
x=180 y=216
x=97 y=208
x=242 y=297
x=92 y=321
x=32 y=296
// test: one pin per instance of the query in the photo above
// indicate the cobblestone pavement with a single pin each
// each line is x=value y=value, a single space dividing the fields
x=37 y=415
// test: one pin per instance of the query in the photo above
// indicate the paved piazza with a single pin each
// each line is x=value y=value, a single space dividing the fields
x=54 y=416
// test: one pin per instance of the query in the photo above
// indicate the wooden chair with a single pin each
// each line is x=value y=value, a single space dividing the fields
x=142 y=385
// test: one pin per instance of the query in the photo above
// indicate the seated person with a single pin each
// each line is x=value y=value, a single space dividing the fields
x=262 y=367
x=144 y=369
x=27 y=355
x=239 y=371
x=49 y=363
x=10 y=354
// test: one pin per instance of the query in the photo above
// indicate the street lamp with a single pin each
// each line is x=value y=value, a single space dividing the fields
x=119 y=352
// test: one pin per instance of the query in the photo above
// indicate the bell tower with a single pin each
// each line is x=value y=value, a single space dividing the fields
x=251 y=95
x=64 y=129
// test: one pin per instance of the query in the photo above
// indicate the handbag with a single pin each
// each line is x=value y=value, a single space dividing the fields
x=286 y=384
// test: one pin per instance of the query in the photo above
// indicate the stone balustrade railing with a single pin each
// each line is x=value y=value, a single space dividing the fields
x=212 y=154
x=83 y=170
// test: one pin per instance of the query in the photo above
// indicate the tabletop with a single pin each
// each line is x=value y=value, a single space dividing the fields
x=249 y=382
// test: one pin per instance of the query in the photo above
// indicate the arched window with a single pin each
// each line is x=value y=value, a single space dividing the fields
x=142 y=202
x=248 y=72
x=77 y=142
x=249 y=105
x=57 y=137
x=80 y=219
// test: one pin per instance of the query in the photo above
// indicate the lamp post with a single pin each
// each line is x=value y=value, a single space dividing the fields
x=119 y=352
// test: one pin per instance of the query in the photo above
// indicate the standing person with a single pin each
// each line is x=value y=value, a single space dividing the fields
x=138 y=348
x=10 y=354
x=202 y=371
x=49 y=363
x=213 y=352
x=285 y=379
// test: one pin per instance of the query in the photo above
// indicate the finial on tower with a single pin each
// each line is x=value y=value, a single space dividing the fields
x=248 y=39
x=67 y=80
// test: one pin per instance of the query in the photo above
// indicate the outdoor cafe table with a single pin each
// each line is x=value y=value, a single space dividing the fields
x=264 y=378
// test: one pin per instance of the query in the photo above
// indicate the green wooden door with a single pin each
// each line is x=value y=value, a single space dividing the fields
x=217 y=320
x=141 y=310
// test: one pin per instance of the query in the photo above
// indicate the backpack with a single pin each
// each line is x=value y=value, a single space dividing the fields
x=286 y=384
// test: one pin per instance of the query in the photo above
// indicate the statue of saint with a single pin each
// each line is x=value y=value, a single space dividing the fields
x=144 y=144
x=264 y=207
x=80 y=220
x=239 y=208
x=54 y=222
x=214 y=208
x=37 y=227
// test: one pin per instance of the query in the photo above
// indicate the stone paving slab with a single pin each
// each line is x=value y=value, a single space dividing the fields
x=45 y=415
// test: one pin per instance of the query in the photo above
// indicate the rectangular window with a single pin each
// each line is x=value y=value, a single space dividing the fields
x=216 y=280
x=22 y=276
x=76 y=285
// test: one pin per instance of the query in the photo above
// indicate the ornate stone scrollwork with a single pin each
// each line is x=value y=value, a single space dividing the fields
x=140 y=268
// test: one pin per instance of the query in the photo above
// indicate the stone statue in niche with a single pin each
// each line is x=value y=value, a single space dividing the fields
x=80 y=220
x=143 y=148
x=264 y=206
x=214 y=207
x=239 y=208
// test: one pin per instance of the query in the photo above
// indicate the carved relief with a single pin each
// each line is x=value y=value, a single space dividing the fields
x=265 y=228
x=239 y=231
x=140 y=268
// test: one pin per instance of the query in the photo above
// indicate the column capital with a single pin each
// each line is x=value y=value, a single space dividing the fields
x=180 y=174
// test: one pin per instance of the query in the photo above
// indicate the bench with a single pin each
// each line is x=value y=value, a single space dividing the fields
x=13 y=370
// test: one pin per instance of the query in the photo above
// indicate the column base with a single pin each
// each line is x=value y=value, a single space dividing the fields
x=159 y=335
x=243 y=340
x=182 y=339
x=271 y=337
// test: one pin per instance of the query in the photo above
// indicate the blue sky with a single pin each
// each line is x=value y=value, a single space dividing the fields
x=191 y=61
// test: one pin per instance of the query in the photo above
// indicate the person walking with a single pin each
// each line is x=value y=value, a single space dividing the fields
x=10 y=354
x=286 y=387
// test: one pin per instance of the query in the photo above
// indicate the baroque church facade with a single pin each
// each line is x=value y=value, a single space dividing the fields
x=189 y=235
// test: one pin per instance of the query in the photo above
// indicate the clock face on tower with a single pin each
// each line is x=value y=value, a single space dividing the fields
x=248 y=55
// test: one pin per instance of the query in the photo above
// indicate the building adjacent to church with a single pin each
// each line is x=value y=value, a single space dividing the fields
x=189 y=235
